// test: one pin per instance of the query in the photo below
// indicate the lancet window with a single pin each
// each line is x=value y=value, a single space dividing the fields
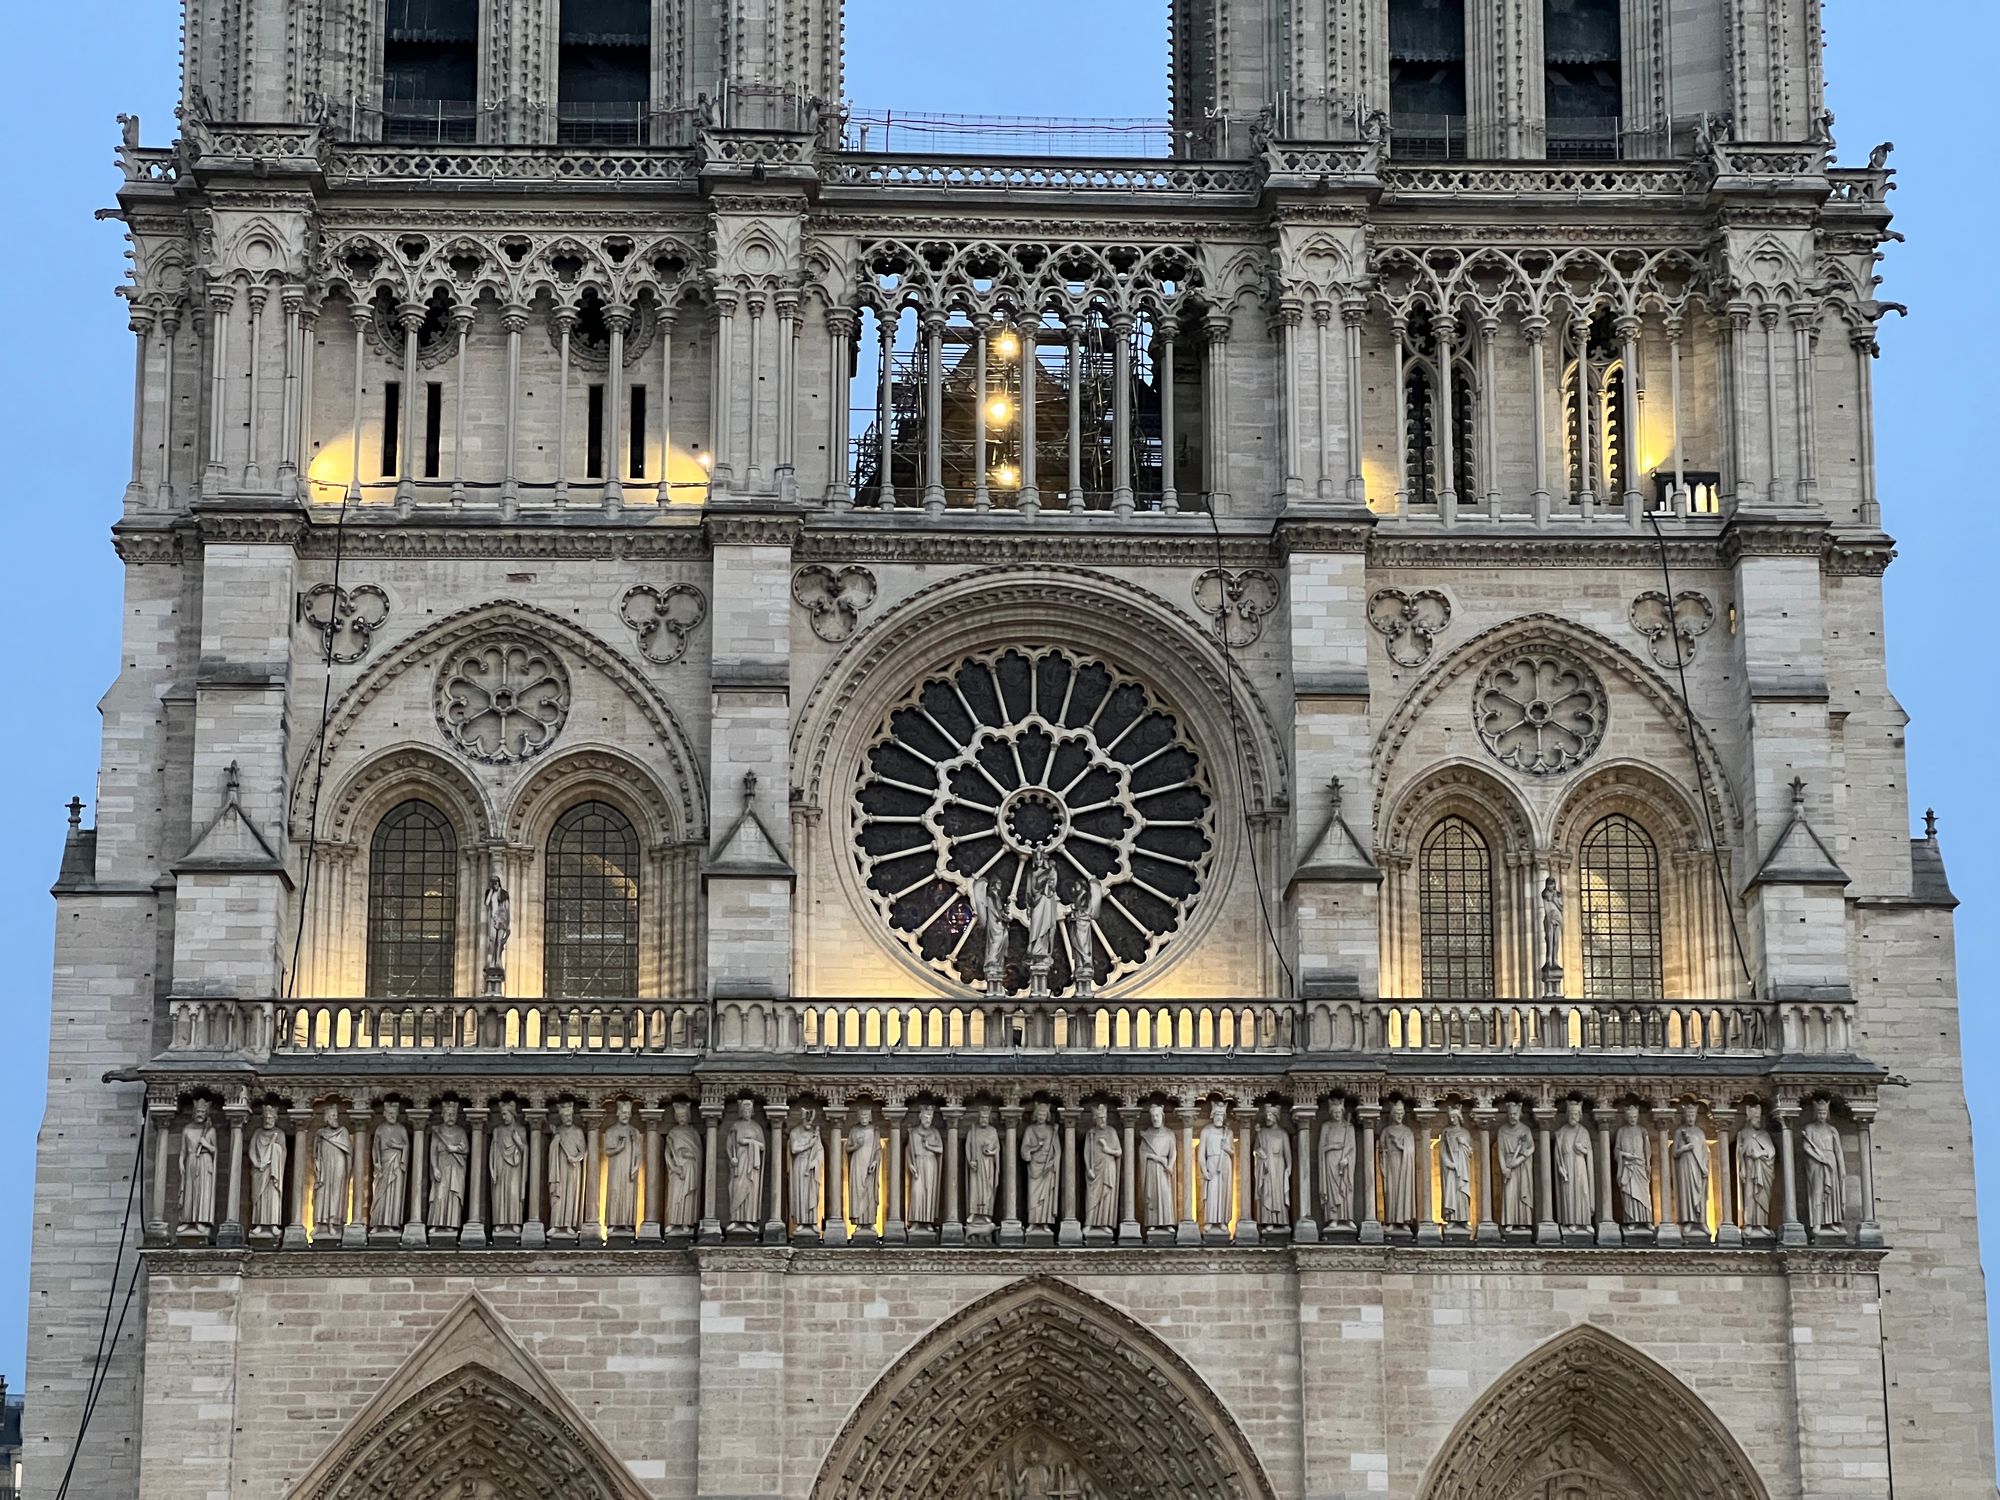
x=1619 y=872
x=1596 y=434
x=430 y=70
x=603 y=72
x=590 y=935
x=1583 y=78
x=412 y=902
x=1427 y=79
x=1455 y=912
x=1440 y=450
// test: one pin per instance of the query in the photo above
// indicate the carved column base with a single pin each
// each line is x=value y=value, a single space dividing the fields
x=650 y=1232
x=1250 y=1232
x=836 y=1230
x=1129 y=1232
x=1184 y=1233
x=1607 y=1233
x=895 y=1232
x=952 y=1234
x=1305 y=1232
x=230 y=1237
x=159 y=1232
x=1012 y=1232
x=1869 y=1236
x=776 y=1232
x=472 y=1236
x=1429 y=1234
x=1488 y=1233
x=294 y=1239
x=385 y=1234
x=1218 y=1235
x=1069 y=1232
x=864 y=1234
x=1667 y=1236
x=1728 y=1237
x=534 y=1235
x=1371 y=1233
x=414 y=1237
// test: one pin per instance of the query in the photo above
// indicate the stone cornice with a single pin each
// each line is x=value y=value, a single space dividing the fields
x=1085 y=542
x=1865 y=556
x=139 y=544
x=1457 y=549
x=752 y=525
x=1754 y=535
x=647 y=541
x=274 y=524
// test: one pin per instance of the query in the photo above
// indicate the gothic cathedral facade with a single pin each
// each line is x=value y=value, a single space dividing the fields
x=791 y=818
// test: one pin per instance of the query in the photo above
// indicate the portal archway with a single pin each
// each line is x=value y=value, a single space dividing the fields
x=1588 y=1417
x=1038 y=1391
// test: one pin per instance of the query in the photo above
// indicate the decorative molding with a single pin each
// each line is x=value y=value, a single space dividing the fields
x=1681 y=621
x=643 y=539
x=1237 y=602
x=1409 y=624
x=502 y=699
x=1538 y=712
x=1103 y=544
x=339 y=613
x=668 y=615
x=834 y=600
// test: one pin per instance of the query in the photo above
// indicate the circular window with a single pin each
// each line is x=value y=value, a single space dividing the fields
x=503 y=699
x=1539 y=713
x=1014 y=768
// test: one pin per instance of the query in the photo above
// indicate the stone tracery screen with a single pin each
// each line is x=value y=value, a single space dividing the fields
x=1021 y=752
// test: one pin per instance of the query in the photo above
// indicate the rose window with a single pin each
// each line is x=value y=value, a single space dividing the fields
x=502 y=700
x=1017 y=757
x=1539 y=713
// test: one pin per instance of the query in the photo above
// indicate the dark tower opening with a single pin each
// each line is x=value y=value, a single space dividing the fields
x=430 y=70
x=604 y=72
x=1584 y=79
x=1427 y=79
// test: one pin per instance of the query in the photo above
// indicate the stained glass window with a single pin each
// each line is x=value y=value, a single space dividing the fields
x=412 y=903
x=590 y=925
x=1620 y=870
x=1455 y=912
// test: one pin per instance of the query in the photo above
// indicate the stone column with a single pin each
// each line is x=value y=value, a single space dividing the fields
x=163 y=492
x=1070 y=1232
x=753 y=464
x=1163 y=378
x=1353 y=310
x=650 y=1228
x=1728 y=1233
x=836 y=1180
x=220 y=298
x=786 y=475
x=410 y=318
x=1305 y=1226
x=160 y=1120
x=1012 y=1231
x=1291 y=312
x=1215 y=391
x=354 y=1234
x=721 y=441
x=894 y=1230
x=982 y=497
x=534 y=1228
x=1129 y=1232
x=1398 y=373
x=1547 y=1231
x=1323 y=422
x=934 y=413
x=590 y=1233
x=253 y=468
x=1667 y=1219
x=565 y=321
x=1247 y=1231
x=1535 y=328
x=472 y=1234
x=1862 y=342
x=710 y=1231
x=774 y=1176
x=229 y=1226
x=1767 y=319
x=1368 y=1112
x=885 y=423
x=1027 y=332
x=295 y=1237
x=1486 y=1202
x=416 y=1234
x=617 y=319
x=1870 y=1231
x=1121 y=417
x=1445 y=330
x=1805 y=335
x=1075 y=484
x=668 y=316
x=513 y=320
x=1586 y=465
x=1791 y=1231
x=1427 y=1224
x=952 y=1230
x=1628 y=381
x=1607 y=1200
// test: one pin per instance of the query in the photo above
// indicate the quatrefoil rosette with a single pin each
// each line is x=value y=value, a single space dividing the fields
x=1539 y=712
x=1018 y=752
x=502 y=699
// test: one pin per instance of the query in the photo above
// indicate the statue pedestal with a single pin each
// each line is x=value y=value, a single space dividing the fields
x=1552 y=981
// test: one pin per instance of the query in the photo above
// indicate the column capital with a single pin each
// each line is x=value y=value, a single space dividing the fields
x=514 y=317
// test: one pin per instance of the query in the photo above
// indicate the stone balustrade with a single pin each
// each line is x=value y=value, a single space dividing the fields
x=1076 y=1161
x=530 y=1028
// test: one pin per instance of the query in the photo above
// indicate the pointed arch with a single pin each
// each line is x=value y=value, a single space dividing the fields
x=469 y=1405
x=1043 y=1358
x=1590 y=1405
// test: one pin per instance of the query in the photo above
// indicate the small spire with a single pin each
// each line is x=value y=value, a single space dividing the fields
x=75 y=805
x=749 y=786
x=1930 y=824
x=232 y=784
x=1334 y=793
x=1798 y=796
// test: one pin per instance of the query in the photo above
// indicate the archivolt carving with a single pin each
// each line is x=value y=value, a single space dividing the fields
x=1040 y=1357
x=1586 y=646
x=682 y=771
x=663 y=619
x=1467 y=789
x=585 y=771
x=387 y=778
x=1589 y=1404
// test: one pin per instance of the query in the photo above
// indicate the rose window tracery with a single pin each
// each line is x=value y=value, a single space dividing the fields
x=1019 y=760
x=1539 y=712
x=503 y=699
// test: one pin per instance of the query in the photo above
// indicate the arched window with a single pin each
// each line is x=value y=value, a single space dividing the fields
x=1583 y=78
x=1603 y=438
x=1455 y=912
x=590 y=923
x=1423 y=437
x=1620 y=871
x=413 y=903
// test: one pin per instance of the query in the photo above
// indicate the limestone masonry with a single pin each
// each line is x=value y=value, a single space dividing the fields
x=801 y=808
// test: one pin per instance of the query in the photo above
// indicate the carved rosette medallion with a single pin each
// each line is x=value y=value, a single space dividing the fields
x=1539 y=712
x=1018 y=754
x=503 y=699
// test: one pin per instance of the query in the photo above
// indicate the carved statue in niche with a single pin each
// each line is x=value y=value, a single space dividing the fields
x=498 y=907
x=333 y=1165
x=1632 y=1160
x=389 y=1169
x=1574 y=1158
x=744 y=1149
x=624 y=1150
x=805 y=1148
x=267 y=1173
x=1517 y=1170
x=1042 y=1147
x=1034 y=1468
x=507 y=1162
x=1826 y=1172
x=451 y=1153
x=1215 y=1153
x=1337 y=1151
x=1756 y=1165
x=1455 y=1167
x=924 y=1147
x=1552 y=936
x=1691 y=1171
x=1044 y=915
x=1101 y=1153
x=1158 y=1152
x=989 y=908
x=982 y=1162
x=1274 y=1172
x=682 y=1206
x=864 y=1168
x=198 y=1170
x=1399 y=1169
x=568 y=1169
x=1083 y=936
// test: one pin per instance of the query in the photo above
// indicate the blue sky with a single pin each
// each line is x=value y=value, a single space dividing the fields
x=1909 y=73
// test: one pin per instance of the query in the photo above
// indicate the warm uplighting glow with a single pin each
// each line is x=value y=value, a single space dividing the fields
x=707 y=461
x=999 y=410
x=1007 y=346
x=1006 y=477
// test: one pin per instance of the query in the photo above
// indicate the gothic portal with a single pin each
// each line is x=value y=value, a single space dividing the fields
x=801 y=809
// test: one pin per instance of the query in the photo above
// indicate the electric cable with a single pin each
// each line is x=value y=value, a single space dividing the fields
x=1701 y=779
x=100 y=1364
x=1242 y=773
